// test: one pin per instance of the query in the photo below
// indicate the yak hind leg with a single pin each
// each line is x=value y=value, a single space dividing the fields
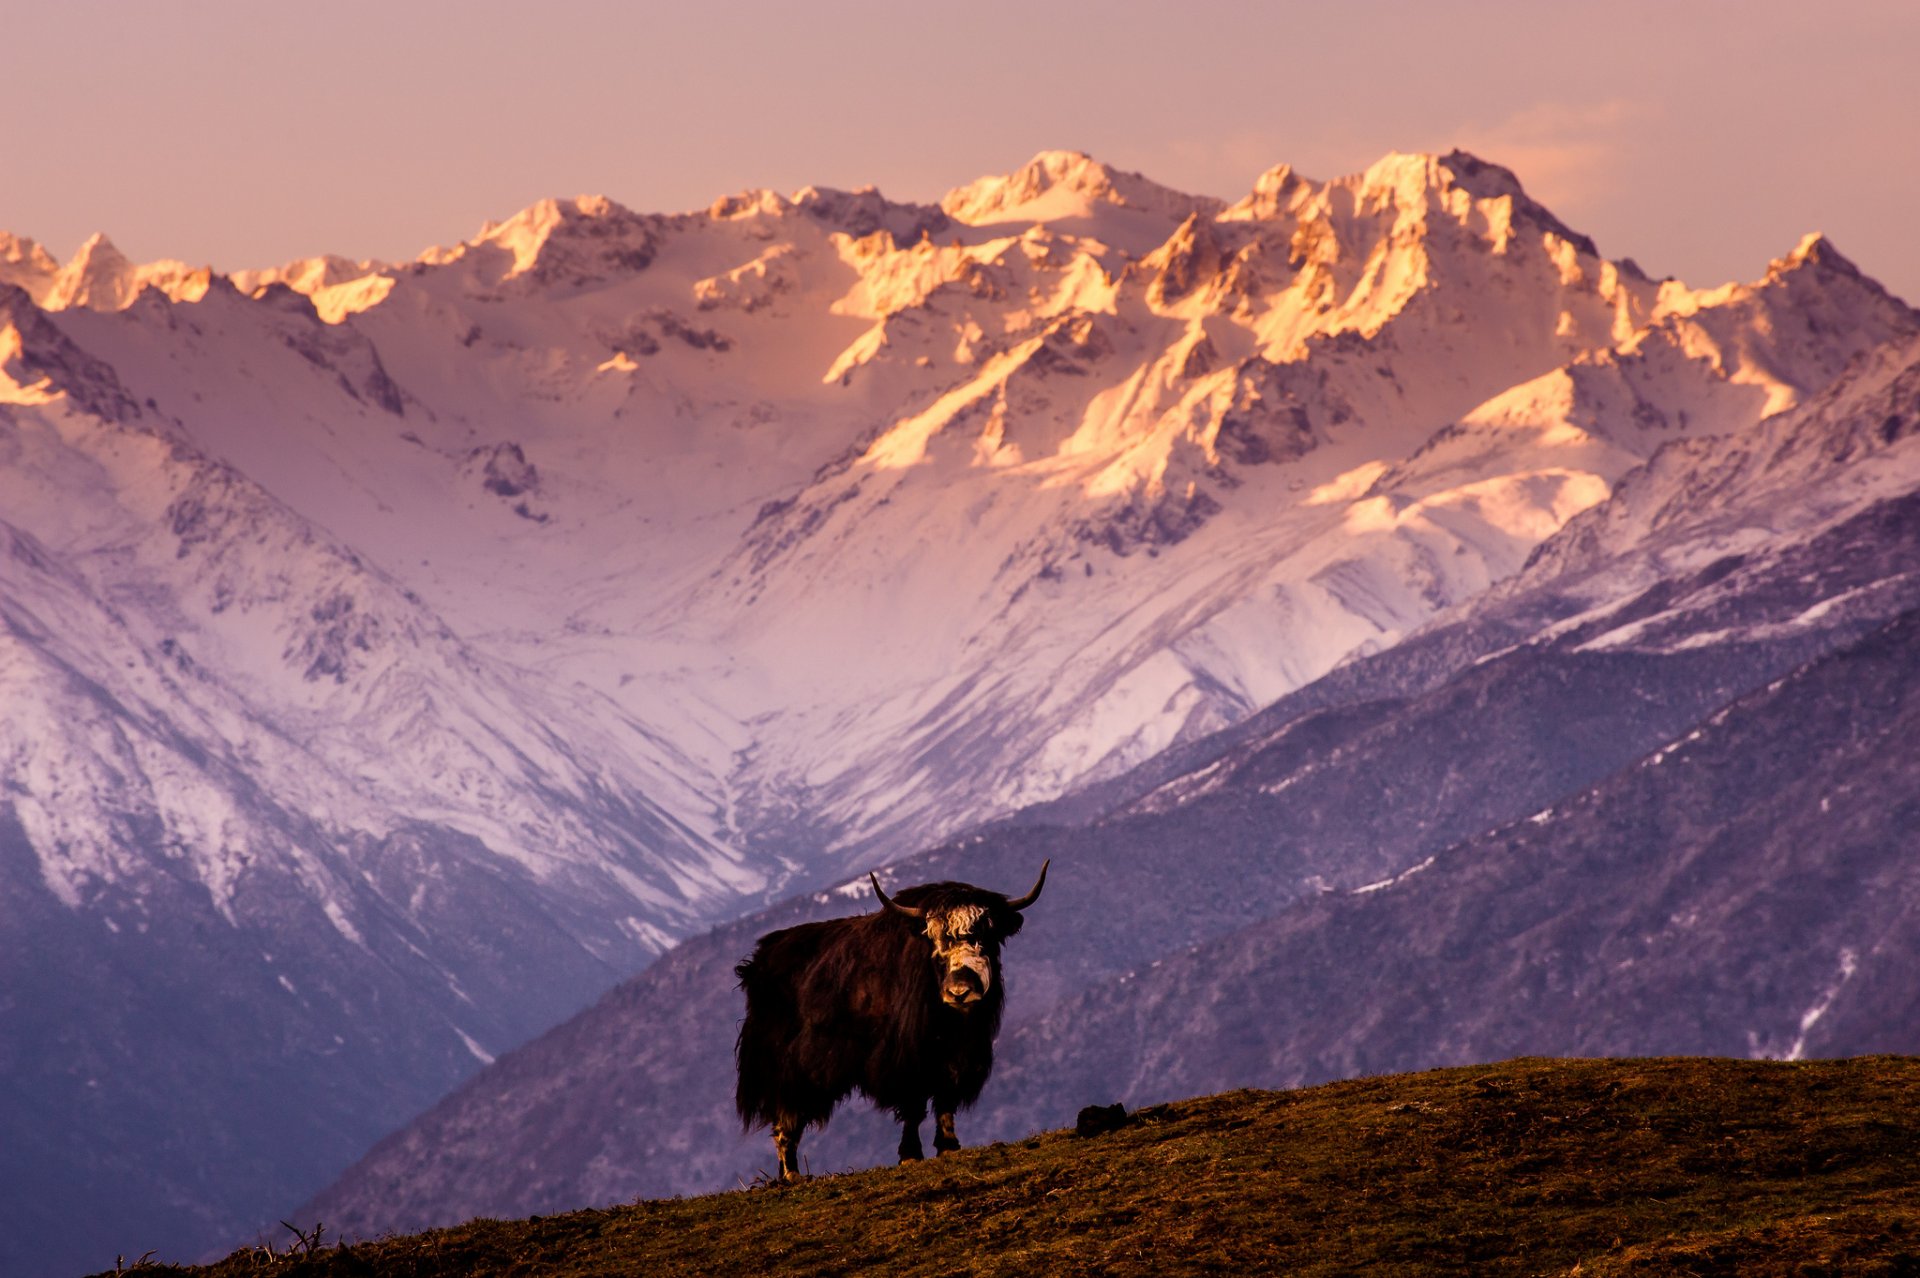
x=910 y=1117
x=944 y=1141
x=786 y=1144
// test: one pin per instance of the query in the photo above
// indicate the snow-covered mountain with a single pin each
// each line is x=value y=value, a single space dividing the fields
x=1650 y=796
x=507 y=613
x=895 y=517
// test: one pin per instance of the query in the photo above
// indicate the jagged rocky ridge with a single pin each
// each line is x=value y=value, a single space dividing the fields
x=440 y=639
x=859 y=501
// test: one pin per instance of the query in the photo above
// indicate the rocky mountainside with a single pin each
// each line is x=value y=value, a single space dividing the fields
x=1742 y=890
x=1647 y=797
x=399 y=655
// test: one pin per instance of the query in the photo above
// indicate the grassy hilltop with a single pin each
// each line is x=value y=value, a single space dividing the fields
x=1671 y=1166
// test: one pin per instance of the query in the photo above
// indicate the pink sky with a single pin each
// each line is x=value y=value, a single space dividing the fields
x=1701 y=138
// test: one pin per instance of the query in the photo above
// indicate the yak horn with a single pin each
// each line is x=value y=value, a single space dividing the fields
x=1034 y=895
x=912 y=912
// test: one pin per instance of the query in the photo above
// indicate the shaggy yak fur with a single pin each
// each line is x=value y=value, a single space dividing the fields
x=902 y=1004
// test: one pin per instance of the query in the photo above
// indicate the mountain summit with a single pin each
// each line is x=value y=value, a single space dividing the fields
x=1059 y=185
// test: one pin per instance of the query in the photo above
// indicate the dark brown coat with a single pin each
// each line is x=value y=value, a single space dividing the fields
x=901 y=1005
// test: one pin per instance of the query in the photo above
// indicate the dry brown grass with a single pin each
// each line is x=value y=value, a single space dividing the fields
x=1527 y=1167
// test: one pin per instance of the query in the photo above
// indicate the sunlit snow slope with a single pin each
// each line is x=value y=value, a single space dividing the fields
x=892 y=517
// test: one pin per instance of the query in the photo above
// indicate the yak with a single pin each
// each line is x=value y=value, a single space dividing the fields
x=902 y=1004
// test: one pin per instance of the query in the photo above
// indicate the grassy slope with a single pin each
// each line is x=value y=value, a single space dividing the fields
x=1527 y=1167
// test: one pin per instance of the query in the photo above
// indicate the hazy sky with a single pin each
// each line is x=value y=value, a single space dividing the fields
x=1700 y=138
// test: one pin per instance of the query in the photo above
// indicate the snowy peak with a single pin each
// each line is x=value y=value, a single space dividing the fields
x=1815 y=264
x=1415 y=243
x=309 y=275
x=100 y=278
x=1423 y=192
x=1060 y=185
x=24 y=264
x=1485 y=181
x=1787 y=334
x=1414 y=179
x=860 y=213
x=1417 y=246
x=1705 y=363
x=1411 y=179
x=1276 y=193
x=1816 y=249
x=1816 y=255
x=561 y=243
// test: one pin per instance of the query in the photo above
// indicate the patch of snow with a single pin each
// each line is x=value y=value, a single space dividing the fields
x=480 y=1053
x=1849 y=963
x=854 y=890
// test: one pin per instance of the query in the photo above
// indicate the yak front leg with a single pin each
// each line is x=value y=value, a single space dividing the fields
x=944 y=1103
x=944 y=1141
x=786 y=1144
x=910 y=1117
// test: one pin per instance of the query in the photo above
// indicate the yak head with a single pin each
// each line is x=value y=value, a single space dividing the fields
x=965 y=925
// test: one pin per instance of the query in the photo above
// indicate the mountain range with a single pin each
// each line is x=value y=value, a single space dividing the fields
x=400 y=655
x=1601 y=812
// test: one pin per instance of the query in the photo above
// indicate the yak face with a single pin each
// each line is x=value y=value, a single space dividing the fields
x=966 y=954
x=965 y=926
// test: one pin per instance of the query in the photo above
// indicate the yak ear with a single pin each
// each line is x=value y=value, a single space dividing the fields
x=1007 y=922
